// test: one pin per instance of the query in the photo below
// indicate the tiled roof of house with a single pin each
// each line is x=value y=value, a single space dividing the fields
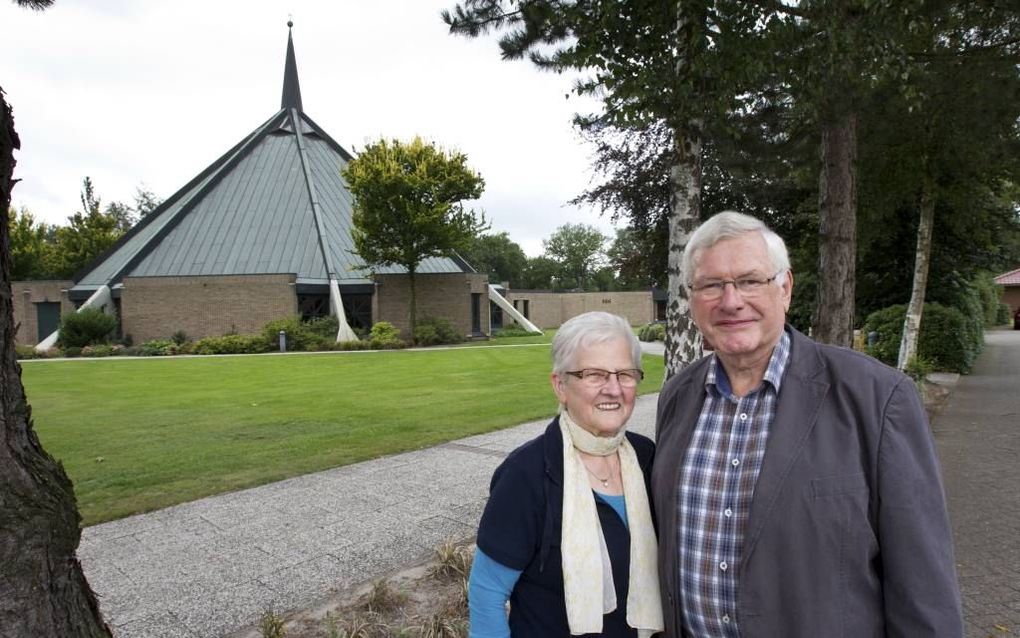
x=1011 y=278
x=275 y=203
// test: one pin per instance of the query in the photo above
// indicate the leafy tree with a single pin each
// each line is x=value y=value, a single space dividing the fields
x=408 y=205
x=89 y=233
x=31 y=246
x=577 y=248
x=541 y=273
x=145 y=201
x=498 y=256
x=42 y=586
x=632 y=257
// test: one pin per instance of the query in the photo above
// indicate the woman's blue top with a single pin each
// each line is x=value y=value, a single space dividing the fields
x=520 y=532
x=490 y=584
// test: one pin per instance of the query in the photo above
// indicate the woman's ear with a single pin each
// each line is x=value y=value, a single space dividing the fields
x=557 y=386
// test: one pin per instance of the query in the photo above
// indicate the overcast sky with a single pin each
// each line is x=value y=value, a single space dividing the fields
x=151 y=92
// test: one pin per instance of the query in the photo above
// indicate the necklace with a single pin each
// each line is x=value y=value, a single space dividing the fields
x=604 y=481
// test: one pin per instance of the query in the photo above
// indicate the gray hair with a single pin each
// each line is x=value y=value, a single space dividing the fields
x=586 y=330
x=727 y=225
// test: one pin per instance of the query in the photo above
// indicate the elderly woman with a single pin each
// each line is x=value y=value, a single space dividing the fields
x=567 y=535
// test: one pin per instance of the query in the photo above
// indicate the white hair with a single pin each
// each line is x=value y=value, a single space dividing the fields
x=727 y=225
x=585 y=330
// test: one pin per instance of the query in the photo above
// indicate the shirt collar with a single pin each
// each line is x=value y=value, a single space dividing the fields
x=717 y=378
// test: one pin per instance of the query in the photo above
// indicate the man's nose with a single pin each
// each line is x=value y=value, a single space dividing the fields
x=731 y=297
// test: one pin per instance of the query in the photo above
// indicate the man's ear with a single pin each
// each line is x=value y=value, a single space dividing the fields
x=788 y=290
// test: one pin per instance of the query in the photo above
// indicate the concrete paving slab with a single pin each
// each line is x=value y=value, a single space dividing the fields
x=210 y=567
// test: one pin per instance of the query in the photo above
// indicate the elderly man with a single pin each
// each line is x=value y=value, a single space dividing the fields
x=796 y=485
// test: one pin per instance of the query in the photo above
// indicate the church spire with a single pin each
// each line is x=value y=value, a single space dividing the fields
x=291 y=88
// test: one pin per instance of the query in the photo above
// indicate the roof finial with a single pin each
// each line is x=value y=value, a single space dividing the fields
x=290 y=20
x=291 y=88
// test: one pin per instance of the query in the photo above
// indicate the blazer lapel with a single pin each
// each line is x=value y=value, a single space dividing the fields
x=801 y=393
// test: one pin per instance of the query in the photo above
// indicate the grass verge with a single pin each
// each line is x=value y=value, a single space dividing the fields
x=141 y=434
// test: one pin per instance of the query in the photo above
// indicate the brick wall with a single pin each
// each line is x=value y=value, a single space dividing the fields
x=26 y=295
x=156 y=307
x=551 y=309
x=438 y=295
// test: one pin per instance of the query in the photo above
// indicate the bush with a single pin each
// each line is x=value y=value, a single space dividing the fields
x=989 y=294
x=1003 y=315
x=323 y=327
x=351 y=345
x=946 y=341
x=318 y=333
x=384 y=335
x=100 y=350
x=231 y=344
x=71 y=352
x=180 y=337
x=86 y=327
x=652 y=332
x=158 y=348
x=26 y=352
x=918 y=368
x=513 y=330
x=434 y=331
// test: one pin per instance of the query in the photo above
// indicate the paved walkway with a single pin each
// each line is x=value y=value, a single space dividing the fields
x=209 y=568
x=978 y=436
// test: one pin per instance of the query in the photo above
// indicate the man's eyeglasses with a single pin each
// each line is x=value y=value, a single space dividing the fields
x=747 y=287
x=596 y=378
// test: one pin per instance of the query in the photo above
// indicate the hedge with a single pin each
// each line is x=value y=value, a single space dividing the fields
x=949 y=340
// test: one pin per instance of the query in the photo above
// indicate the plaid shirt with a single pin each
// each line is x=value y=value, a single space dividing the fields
x=719 y=474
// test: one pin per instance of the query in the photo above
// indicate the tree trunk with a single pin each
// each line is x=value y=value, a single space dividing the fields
x=413 y=314
x=912 y=322
x=683 y=341
x=43 y=591
x=837 y=249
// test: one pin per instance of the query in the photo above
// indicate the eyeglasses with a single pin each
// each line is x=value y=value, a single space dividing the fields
x=596 y=378
x=748 y=287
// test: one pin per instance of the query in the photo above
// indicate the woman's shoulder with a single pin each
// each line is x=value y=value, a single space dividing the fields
x=530 y=458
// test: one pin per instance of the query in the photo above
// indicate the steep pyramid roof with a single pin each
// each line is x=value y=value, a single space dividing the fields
x=274 y=203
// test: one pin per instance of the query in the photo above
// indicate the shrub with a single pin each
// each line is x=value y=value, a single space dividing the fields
x=918 y=368
x=180 y=337
x=100 y=350
x=947 y=339
x=350 y=345
x=26 y=352
x=1003 y=315
x=86 y=327
x=652 y=332
x=384 y=335
x=71 y=352
x=323 y=327
x=158 y=348
x=231 y=344
x=513 y=330
x=433 y=331
x=318 y=333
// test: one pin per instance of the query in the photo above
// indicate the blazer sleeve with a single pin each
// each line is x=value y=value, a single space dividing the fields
x=921 y=594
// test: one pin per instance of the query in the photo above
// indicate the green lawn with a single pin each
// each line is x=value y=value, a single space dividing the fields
x=141 y=434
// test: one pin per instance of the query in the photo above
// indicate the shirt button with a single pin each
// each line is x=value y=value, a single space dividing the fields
x=723 y=565
x=735 y=462
x=728 y=512
x=743 y=416
x=726 y=619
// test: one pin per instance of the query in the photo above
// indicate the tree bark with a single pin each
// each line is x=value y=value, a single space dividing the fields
x=834 y=313
x=43 y=591
x=912 y=322
x=683 y=341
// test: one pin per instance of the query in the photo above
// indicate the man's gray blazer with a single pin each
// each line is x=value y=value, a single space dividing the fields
x=848 y=533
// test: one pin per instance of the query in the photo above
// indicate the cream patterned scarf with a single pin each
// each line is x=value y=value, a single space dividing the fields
x=588 y=585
